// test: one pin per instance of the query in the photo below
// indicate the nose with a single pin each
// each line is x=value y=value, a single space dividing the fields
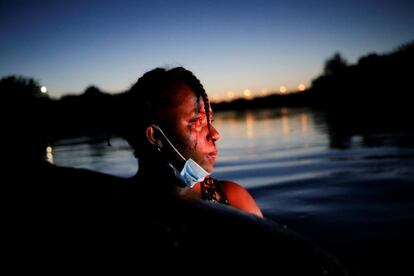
x=215 y=135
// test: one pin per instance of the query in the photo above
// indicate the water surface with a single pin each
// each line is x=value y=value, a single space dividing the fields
x=356 y=200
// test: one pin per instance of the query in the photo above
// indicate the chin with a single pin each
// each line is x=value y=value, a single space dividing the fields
x=206 y=166
x=208 y=163
x=209 y=168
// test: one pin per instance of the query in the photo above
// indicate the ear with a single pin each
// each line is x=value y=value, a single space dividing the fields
x=152 y=137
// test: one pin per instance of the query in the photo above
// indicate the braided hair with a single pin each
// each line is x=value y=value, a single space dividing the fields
x=151 y=93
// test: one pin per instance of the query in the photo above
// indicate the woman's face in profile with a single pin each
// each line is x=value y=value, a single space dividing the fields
x=187 y=122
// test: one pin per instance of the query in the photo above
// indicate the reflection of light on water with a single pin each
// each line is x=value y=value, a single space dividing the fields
x=249 y=125
x=304 y=122
x=285 y=121
x=268 y=124
x=49 y=155
x=305 y=125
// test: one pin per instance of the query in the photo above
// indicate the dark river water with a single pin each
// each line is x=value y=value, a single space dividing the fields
x=352 y=195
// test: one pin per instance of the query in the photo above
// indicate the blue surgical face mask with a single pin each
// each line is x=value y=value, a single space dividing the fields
x=191 y=172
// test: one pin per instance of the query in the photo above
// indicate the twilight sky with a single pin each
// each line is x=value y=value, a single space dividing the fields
x=229 y=45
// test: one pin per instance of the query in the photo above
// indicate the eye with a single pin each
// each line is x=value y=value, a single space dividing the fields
x=198 y=122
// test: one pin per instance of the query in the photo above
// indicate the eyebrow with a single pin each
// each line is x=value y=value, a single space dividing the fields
x=197 y=115
x=201 y=111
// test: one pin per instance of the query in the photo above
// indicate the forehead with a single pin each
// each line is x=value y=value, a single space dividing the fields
x=184 y=102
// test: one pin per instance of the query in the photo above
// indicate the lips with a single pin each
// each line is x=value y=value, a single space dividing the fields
x=212 y=155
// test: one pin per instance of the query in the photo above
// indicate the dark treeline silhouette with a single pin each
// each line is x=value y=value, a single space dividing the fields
x=90 y=113
x=273 y=100
x=24 y=114
x=370 y=97
x=375 y=82
x=22 y=103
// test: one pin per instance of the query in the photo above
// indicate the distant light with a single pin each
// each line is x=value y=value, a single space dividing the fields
x=301 y=87
x=247 y=93
x=216 y=98
x=43 y=89
x=230 y=95
x=49 y=155
x=282 y=89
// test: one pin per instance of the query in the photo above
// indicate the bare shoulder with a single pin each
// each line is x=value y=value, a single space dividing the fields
x=233 y=188
x=240 y=198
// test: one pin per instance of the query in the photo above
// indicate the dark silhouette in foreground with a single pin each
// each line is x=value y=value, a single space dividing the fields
x=69 y=218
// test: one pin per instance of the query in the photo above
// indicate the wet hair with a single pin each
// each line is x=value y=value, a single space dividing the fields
x=152 y=93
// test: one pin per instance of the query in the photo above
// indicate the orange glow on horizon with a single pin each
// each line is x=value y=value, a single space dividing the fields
x=216 y=98
x=249 y=94
x=230 y=95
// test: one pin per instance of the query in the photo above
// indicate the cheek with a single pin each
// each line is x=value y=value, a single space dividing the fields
x=200 y=137
x=189 y=140
x=193 y=136
x=196 y=135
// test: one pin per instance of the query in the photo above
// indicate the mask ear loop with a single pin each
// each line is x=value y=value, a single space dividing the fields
x=169 y=142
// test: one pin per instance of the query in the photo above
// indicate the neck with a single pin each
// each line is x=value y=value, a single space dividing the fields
x=157 y=174
x=152 y=166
